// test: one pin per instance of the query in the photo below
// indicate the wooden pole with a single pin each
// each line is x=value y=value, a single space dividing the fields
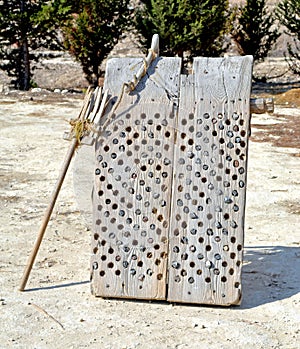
x=54 y=196
x=48 y=213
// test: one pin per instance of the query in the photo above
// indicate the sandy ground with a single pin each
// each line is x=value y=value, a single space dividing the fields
x=58 y=310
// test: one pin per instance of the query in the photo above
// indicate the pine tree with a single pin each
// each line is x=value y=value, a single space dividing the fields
x=194 y=26
x=289 y=14
x=93 y=31
x=254 y=29
x=21 y=31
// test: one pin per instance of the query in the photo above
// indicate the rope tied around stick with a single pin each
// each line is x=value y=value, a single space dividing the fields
x=79 y=128
x=152 y=54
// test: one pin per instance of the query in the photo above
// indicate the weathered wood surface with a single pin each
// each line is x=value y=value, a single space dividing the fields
x=132 y=189
x=261 y=105
x=170 y=182
x=210 y=166
x=84 y=163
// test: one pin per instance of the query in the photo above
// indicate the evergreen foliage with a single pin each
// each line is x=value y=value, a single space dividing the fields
x=194 y=26
x=89 y=29
x=93 y=31
x=254 y=29
x=21 y=31
x=289 y=15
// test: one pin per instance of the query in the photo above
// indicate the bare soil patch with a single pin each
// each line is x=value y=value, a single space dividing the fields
x=291 y=98
x=284 y=132
x=58 y=310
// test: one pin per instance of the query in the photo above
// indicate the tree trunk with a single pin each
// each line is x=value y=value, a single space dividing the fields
x=24 y=77
x=26 y=65
x=95 y=76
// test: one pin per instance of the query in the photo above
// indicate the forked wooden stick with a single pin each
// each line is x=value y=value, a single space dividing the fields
x=63 y=171
x=153 y=53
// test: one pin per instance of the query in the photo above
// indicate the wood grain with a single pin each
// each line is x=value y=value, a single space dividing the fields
x=133 y=175
x=210 y=166
x=170 y=182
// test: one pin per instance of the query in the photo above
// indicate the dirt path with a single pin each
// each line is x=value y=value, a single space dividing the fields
x=58 y=310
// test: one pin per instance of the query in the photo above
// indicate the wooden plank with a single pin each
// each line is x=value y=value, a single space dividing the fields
x=83 y=168
x=133 y=176
x=210 y=166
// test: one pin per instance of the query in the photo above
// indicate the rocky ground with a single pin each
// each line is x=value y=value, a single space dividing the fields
x=58 y=310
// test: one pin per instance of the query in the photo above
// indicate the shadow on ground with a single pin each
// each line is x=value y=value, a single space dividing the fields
x=270 y=273
x=45 y=288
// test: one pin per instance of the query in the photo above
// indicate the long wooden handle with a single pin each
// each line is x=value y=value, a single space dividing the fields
x=48 y=213
x=55 y=193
